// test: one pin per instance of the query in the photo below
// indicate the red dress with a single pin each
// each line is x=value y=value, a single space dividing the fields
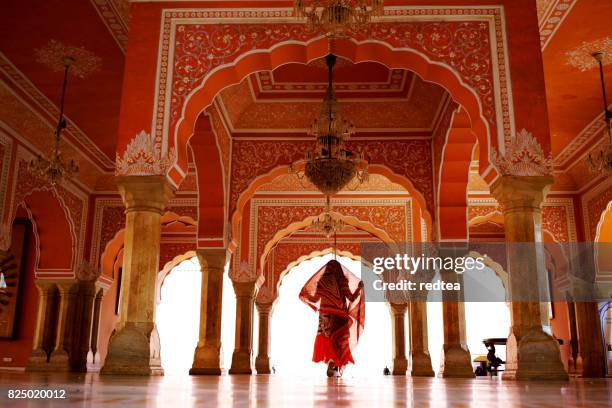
x=341 y=313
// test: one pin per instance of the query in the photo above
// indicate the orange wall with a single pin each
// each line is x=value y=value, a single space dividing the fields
x=18 y=349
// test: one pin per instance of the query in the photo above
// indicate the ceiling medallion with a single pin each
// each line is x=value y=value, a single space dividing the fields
x=330 y=166
x=336 y=17
x=54 y=169
x=602 y=161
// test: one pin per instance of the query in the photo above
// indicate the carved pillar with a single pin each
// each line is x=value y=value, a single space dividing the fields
x=420 y=361
x=44 y=314
x=207 y=355
x=590 y=360
x=262 y=362
x=93 y=356
x=531 y=353
x=134 y=346
x=60 y=356
x=573 y=357
x=456 y=361
x=83 y=319
x=398 y=314
x=245 y=298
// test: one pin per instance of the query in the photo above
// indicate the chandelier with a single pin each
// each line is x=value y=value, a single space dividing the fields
x=336 y=17
x=328 y=225
x=602 y=161
x=55 y=168
x=330 y=166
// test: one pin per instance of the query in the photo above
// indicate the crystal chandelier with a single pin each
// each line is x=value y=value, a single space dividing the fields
x=328 y=225
x=336 y=17
x=602 y=162
x=330 y=166
x=55 y=169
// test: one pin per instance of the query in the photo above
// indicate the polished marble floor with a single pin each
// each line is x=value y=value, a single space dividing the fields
x=91 y=390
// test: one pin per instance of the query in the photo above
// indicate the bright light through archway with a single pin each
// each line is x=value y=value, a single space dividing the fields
x=294 y=327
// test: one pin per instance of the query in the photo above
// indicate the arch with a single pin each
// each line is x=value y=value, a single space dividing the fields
x=350 y=220
x=211 y=184
x=113 y=248
x=53 y=230
x=307 y=257
x=457 y=154
x=168 y=267
x=420 y=207
x=304 y=52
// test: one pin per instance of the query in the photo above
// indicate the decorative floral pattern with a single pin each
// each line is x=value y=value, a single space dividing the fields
x=408 y=158
x=143 y=157
x=596 y=206
x=524 y=156
x=581 y=57
x=54 y=55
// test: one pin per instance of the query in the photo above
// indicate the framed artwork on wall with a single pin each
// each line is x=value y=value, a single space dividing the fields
x=11 y=264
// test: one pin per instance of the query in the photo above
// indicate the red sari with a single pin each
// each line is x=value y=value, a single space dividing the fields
x=341 y=313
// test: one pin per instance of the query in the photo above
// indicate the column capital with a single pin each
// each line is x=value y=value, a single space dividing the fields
x=263 y=307
x=145 y=193
x=398 y=308
x=44 y=286
x=514 y=192
x=212 y=258
x=245 y=289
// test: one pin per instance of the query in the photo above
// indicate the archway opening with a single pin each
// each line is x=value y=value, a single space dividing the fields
x=294 y=327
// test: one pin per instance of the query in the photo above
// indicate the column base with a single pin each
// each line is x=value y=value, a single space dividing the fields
x=241 y=363
x=38 y=361
x=134 y=350
x=59 y=361
x=456 y=362
x=421 y=365
x=262 y=365
x=93 y=362
x=536 y=356
x=399 y=366
x=206 y=361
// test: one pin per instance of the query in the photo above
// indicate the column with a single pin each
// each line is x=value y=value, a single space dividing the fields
x=262 y=362
x=590 y=360
x=83 y=321
x=245 y=298
x=531 y=353
x=420 y=361
x=207 y=355
x=134 y=346
x=398 y=314
x=60 y=356
x=456 y=361
x=93 y=356
x=38 y=358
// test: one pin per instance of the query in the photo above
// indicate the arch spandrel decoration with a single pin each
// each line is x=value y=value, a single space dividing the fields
x=203 y=51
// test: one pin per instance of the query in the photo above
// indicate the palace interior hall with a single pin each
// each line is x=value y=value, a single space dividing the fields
x=178 y=179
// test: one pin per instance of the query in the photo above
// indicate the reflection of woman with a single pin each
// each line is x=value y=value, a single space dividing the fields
x=341 y=314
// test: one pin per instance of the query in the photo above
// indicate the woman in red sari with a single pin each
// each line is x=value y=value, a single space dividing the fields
x=341 y=314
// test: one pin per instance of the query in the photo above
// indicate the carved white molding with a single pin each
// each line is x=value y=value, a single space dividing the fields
x=143 y=157
x=523 y=156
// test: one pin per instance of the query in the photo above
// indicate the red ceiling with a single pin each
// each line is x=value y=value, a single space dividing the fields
x=93 y=102
x=574 y=97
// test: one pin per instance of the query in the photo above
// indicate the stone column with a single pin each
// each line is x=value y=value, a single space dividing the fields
x=531 y=353
x=590 y=360
x=60 y=356
x=456 y=361
x=134 y=346
x=420 y=361
x=93 y=356
x=38 y=357
x=262 y=362
x=207 y=355
x=83 y=320
x=398 y=326
x=245 y=298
